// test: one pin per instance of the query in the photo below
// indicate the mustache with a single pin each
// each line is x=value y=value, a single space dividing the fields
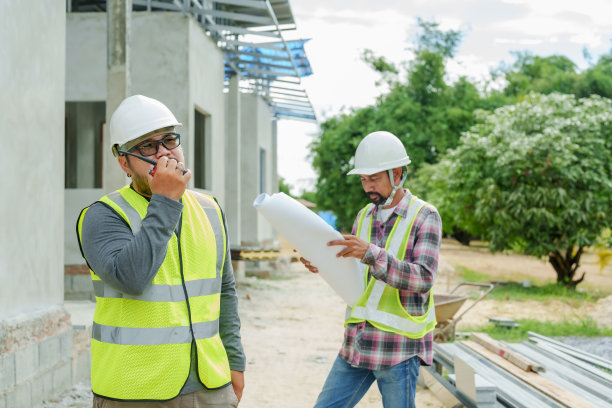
x=379 y=198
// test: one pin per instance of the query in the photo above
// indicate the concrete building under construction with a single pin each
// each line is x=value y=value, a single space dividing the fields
x=226 y=69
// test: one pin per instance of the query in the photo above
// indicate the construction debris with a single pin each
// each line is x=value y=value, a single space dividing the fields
x=502 y=350
x=505 y=323
x=568 y=377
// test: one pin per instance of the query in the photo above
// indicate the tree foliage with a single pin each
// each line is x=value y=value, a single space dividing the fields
x=534 y=177
x=283 y=186
x=531 y=174
x=426 y=113
x=555 y=73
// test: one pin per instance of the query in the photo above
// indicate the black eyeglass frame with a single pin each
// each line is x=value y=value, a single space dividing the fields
x=157 y=143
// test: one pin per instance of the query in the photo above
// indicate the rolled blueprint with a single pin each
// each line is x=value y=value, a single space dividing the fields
x=309 y=235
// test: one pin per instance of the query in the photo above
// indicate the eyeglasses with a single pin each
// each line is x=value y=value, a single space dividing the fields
x=151 y=147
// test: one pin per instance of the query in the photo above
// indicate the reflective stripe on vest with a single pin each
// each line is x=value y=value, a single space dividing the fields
x=370 y=305
x=153 y=335
x=145 y=340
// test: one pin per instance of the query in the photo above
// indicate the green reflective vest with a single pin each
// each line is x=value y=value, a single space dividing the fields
x=380 y=303
x=141 y=345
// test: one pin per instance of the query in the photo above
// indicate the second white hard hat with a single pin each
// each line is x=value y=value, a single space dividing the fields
x=137 y=116
x=379 y=151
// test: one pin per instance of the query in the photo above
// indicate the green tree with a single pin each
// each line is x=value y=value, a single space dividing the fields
x=535 y=177
x=427 y=114
x=283 y=186
x=531 y=73
x=555 y=73
x=332 y=154
x=597 y=80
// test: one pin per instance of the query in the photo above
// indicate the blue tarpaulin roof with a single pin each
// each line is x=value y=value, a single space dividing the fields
x=329 y=218
x=266 y=60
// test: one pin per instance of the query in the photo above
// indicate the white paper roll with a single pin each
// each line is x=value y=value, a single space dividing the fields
x=309 y=234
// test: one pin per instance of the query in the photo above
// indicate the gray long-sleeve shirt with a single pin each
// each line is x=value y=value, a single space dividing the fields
x=128 y=263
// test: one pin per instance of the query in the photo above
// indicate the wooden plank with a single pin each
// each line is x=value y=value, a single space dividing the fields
x=552 y=390
x=442 y=394
x=498 y=348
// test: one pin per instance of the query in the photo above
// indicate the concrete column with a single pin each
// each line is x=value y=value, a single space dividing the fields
x=118 y=84
x=274 y=157
x=232 y=162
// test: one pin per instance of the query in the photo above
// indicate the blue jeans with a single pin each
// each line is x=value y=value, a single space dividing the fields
x=346 y=385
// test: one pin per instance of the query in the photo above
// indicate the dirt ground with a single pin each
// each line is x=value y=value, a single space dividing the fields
x=293 y=322
x=292 y=328
x=518 y=268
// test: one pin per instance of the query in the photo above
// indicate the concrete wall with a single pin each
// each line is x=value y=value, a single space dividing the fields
x=85 y=57
x=32 y=105
x=172 y=61
x=206 y=70
x=233 y=147
x=256 y=133
x=35 y=332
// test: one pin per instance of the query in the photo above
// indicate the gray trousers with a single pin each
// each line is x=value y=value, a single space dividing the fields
x=223 y=398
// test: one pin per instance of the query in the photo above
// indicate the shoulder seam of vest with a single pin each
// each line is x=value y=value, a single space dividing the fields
x=113 y=210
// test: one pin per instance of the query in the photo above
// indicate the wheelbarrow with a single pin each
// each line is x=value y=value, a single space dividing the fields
x=447 y=304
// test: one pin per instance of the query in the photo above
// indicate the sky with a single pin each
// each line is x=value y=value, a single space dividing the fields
x=339 y=31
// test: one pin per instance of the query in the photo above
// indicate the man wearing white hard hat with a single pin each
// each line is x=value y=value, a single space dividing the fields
x=389 y=330
x=166 y=331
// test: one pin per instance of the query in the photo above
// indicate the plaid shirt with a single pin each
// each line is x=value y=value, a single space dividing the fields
x=364 y=345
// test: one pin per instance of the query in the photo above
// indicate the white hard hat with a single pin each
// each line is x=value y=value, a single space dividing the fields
x=379 y=151
x=137 y=116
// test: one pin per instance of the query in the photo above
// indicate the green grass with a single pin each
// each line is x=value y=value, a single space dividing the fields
x=586 y=327
x=516 y=291
x=471 y=275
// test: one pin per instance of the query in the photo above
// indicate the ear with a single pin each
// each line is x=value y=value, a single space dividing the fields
x=397 y=175
x=122 y=160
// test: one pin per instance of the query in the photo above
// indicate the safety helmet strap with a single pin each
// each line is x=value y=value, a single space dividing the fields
x=395 y=187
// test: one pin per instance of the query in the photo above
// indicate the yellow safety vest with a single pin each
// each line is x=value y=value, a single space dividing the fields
x=141 y=345
x=380 y=303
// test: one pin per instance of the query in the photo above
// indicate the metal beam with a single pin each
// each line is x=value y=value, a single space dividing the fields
x=301 y=94
x=244 y=3
x=267 y=46
x=266 y=72
x=293 y=105
x=234 y=16
x=293 y=109
x=240 y=30
x=158 y=4
x=263 y=64
x=296 y=102
x=260 y=55
x=288 y=94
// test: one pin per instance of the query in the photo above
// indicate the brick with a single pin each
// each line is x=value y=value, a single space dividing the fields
x=26 y=363
x=66 y=345
x=76 y=269
x=82 y=283
x=49 y=353
x=20 y=397
x=62 y=378
x=7 y=371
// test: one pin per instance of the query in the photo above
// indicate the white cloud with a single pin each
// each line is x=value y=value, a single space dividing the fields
x=518 y=41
